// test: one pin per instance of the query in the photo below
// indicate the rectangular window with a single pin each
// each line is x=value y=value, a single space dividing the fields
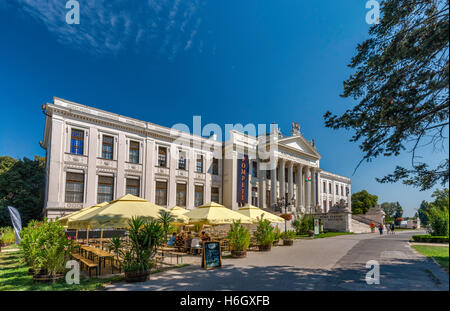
x=215 y=195
x=199 y=165
x=77 y=142
x=342 y=190
x=198 y=196
x=105 y=189
x=134 y=152
x=286 y=175
x=268 y=198
x=215 y=167
x=162 y=156
x=324 y=187
x=268 y=174
x=337 y=190
x=133 y=186
x=161 y=193
x=107 y=147
x=324 y=205
x=329 y=189
x=255 y=196
x=347 y=191
x=254 y=169
x=74 y=187
x=293 y=177
x=181 y=160
x=181 y=195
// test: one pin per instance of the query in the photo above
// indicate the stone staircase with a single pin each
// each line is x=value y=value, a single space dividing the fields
x=360 y=227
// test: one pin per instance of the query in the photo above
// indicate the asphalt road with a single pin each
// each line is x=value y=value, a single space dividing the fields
x=337 y=263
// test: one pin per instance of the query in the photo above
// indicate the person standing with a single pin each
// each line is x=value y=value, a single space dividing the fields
x=380 y=227
x=393 y=228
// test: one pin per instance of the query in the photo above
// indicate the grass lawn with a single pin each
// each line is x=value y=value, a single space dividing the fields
x=439 y=253
x=325 y=235
x=14 y=276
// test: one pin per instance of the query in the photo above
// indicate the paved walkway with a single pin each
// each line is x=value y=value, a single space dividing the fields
x=336 y=263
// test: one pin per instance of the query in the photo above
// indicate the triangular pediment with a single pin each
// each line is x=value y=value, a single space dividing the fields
x=300 y=144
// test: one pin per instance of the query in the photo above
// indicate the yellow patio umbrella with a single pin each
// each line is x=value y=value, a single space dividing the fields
x=65 y=220
x=215 y=214
x=254 y=213
x=117 y=213
x=178 y=210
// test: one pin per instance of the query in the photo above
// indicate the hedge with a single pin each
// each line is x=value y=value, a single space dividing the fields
x=428 y=238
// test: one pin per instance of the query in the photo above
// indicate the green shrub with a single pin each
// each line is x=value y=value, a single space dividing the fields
x=303 y=224
x=288 y=235
x=428 y=238
x=265 y=233
x=144 y=236
x=239 y=237
x=7 y=235
x=438 y=220
x=45 y=246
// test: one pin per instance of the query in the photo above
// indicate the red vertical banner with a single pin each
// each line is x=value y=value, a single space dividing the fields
x=242 y=180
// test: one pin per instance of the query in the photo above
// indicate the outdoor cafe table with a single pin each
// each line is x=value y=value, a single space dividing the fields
x=101 y=254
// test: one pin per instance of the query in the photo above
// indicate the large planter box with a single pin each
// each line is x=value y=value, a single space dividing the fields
x=238 y=254
x=265 y=248
x=133 y=277
x=288 y=242
x=46 y=278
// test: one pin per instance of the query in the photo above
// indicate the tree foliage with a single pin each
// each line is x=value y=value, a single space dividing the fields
x=22 y=184
x=401 y=85
x=362 y=201
x=393 y=210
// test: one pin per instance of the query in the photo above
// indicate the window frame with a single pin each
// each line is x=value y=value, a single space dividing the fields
x=107 y=144
x=75 y=138
x=74 y=181
x=104 y=194
x=130 y=152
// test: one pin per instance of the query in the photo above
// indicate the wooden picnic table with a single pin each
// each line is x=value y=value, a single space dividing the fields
x=100 y=254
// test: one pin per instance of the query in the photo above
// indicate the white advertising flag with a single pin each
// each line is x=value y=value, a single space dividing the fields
x=16 y=221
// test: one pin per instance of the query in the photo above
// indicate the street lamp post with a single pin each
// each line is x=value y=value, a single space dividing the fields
x=283 y=202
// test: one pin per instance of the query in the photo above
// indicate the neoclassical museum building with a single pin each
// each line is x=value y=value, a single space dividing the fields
x=95 y=156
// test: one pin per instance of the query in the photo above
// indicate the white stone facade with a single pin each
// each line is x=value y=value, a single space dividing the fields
x=94 y=154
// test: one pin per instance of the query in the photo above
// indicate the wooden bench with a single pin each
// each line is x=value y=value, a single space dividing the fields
x=179 y=255
x=86 y=262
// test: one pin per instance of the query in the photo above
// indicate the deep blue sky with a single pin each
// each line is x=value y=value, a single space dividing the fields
x=165 y=61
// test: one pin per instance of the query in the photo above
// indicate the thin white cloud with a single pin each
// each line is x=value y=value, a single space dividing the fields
x=110 y=26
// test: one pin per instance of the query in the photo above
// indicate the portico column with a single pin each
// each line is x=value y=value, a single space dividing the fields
x=261 y=187
x=308 y=190
x=349 y=197
x=282 y=178
x=299 y=186
x=290 y=180
x=319 y=191
x=314 y=187
x=273 y=185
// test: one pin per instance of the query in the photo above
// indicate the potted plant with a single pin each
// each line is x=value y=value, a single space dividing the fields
x=46 y=250
x=264 y=235
x=277 y=236
x=288 y=237
x=239 y=238
x=165 y=219
x=145 y=237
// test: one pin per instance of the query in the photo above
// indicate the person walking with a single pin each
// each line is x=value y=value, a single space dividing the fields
x=380 y=227
x=392 y=228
